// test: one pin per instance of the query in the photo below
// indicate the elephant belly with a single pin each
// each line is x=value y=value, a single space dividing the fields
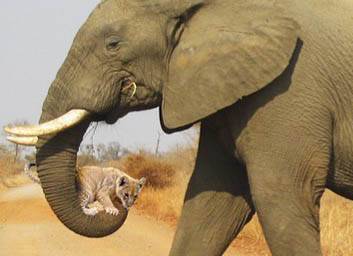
x=340 y=178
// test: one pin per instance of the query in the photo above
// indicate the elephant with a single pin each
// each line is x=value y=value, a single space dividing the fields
x=271 y=83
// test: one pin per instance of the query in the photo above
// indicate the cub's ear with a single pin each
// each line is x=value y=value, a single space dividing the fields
x=225 y=52
x=123 y=181
x=142 y=182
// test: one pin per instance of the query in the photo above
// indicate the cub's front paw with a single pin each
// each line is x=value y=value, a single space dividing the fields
x=90 y=211
x=112 y=211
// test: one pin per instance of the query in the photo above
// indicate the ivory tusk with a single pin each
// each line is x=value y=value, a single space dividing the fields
x=57 y=125
x=25 y=141
x=134 y=86
x=133 y=90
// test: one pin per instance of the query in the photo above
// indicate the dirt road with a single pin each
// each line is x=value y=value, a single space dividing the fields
x=29 y=228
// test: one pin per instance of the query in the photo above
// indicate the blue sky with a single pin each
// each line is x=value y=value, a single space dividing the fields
x=35 y=38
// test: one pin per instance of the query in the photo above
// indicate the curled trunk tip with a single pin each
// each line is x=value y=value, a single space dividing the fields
x=56 y=165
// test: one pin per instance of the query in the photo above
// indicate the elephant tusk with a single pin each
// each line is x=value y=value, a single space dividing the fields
x=25 y=141
x=134 y=86
x=133 y=90
x=57 y=125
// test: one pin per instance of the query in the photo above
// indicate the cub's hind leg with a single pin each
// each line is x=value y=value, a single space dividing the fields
x=86 y=199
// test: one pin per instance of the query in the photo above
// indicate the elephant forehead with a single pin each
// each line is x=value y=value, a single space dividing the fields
x=110 y=11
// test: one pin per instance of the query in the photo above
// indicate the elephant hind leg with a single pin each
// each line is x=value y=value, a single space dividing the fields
x=217 y=202
x=286 y=186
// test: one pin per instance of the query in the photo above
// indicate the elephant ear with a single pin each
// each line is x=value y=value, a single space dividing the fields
x=224 y=54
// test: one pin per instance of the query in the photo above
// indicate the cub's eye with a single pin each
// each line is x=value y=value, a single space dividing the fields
x=113 y=43
x=126 y=195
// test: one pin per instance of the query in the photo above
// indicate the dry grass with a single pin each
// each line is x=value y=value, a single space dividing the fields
x=165 y=202
x=11 y=172
x=158 y=172
x=169 y=210
x=8 y=166
x=336 y=225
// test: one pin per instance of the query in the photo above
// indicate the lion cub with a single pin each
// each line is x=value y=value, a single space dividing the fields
x=103 y=185
x=99 y=186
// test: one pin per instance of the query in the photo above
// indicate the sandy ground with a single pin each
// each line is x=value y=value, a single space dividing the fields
x=29 y=228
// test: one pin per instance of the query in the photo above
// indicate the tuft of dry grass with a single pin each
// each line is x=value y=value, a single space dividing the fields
x=11 y=172
x=336 y=225
x=162 y=204
x=8 y=166
x=159 y=173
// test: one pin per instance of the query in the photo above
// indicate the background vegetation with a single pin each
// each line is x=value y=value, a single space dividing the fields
x=11 y=167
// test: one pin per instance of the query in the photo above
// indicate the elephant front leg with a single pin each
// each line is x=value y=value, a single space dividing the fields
x=217 y=202
x=286 y=188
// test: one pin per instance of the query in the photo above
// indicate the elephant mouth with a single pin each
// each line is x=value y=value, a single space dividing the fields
x=128 y=83
x=128 y=89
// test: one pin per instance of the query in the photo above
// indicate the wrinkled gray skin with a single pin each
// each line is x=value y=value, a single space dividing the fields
x=271 y=82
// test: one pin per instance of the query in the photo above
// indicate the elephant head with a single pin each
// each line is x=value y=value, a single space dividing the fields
x=190 y=57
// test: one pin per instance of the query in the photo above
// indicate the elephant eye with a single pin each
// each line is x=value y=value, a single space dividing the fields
x=126 y=82
x=113 y=43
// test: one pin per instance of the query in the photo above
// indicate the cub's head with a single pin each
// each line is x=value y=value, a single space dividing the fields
x=127 y=189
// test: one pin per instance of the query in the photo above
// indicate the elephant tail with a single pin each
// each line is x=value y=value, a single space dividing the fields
x=32 y=174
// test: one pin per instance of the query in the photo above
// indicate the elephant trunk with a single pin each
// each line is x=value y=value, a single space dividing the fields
x=56 y=162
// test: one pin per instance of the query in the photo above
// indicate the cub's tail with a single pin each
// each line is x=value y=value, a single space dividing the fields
x=30 y=171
